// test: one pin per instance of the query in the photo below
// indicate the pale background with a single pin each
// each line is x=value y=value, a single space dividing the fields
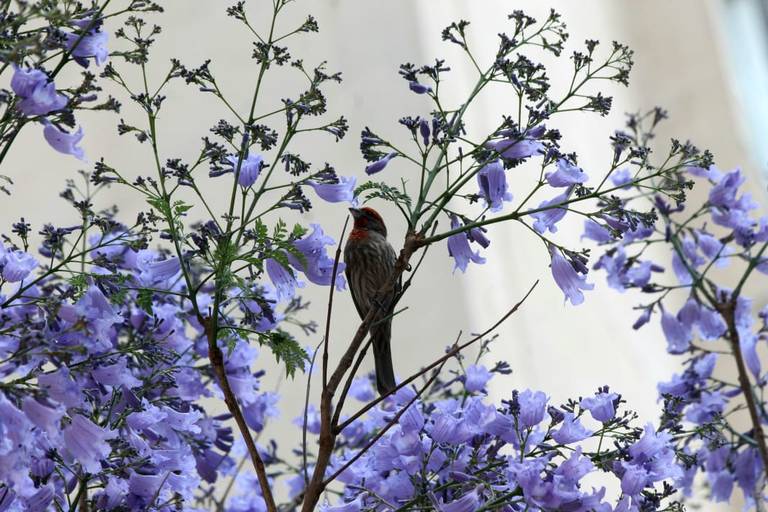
x=690 y=58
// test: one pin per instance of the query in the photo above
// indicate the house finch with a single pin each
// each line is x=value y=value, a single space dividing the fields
x=370 y=261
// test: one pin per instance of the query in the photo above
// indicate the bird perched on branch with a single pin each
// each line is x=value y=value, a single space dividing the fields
x=370 y=261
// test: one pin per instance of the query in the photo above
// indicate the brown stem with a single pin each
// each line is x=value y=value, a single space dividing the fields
x=727 y=310
x=217 y=362
x=330 y=304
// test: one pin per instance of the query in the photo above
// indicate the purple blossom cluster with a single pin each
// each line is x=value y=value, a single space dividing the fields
x=708 y=321
x=104 y=378
x=452 y=450
x=38 y=98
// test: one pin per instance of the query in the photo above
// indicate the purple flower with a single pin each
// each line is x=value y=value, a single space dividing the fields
x=459 y=249
x=424 y=131
x=492 y=181
x=571 y=430
x=597 y=232
x=379 y=164
x=319 y=266
x=547 y=217
x=361 y=389
x=709 y=406
x=533 y=405
x=86 y=441
x=263 y=407
x=419 y=88
x=634 y=479
x=38 y=93
x=477 y=376
x=723 y=194
x=250 y=168
x=17 y=265
x=25 y=81
x=712 y=173
x=601 y=406
x=116 y=374
x=748 y=343
x=41 y=499
x=64 y=142
x=44 y=417
x=622 y=177
x=711 y=324
x=283 y=279
x=566 y=277
x=467 y=503
x=748 y=468
x=478 y=235
x=91 y=45
x=516 y=149
x=154 y=271
x=339 y=192
x=677 y=334
x=566 y=175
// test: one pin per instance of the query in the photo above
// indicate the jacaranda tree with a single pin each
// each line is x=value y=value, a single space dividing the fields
x=116 y=334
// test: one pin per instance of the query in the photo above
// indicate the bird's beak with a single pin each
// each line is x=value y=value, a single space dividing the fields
x=356 y=213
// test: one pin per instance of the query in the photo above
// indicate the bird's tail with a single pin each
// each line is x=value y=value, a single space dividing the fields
x=382 y=356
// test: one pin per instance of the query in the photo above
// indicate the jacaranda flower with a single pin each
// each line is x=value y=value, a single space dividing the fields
x=91 y=45
x=379 y=164
x=419 y=88
x=344 y=190
x=283 y=279
x=516 y=149
x=602 y=406
x=566 y=175
x=64 y=142
x=16 y=265
x=37 y=92
x=492 y=181
x=459 y=249
x=548 y=217
x=250 y=168
x=319 y=266
x=566 y=277
x=86 y=441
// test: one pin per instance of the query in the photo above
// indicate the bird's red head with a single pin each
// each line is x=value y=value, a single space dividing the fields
x=368 y=219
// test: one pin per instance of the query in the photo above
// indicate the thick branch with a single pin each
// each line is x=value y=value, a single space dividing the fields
x=217 y=362
x=727 y=310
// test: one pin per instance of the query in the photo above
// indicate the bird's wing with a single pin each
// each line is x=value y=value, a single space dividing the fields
x=354 y=298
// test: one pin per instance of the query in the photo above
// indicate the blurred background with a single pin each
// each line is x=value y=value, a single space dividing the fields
x=706 y=62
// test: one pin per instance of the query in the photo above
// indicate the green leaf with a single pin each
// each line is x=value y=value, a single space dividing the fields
x=286 y=349
x=381 y=190
x=144 y=300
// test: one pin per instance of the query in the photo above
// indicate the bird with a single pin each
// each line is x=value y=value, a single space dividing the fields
x=370 y=261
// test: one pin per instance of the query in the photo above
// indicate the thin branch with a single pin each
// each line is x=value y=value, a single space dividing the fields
x=330 y=304
x=451 y=353
x=306 y=412
x=394 y=421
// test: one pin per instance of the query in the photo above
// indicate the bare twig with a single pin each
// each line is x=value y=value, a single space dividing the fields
x=330 y=304
x=306 y=412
